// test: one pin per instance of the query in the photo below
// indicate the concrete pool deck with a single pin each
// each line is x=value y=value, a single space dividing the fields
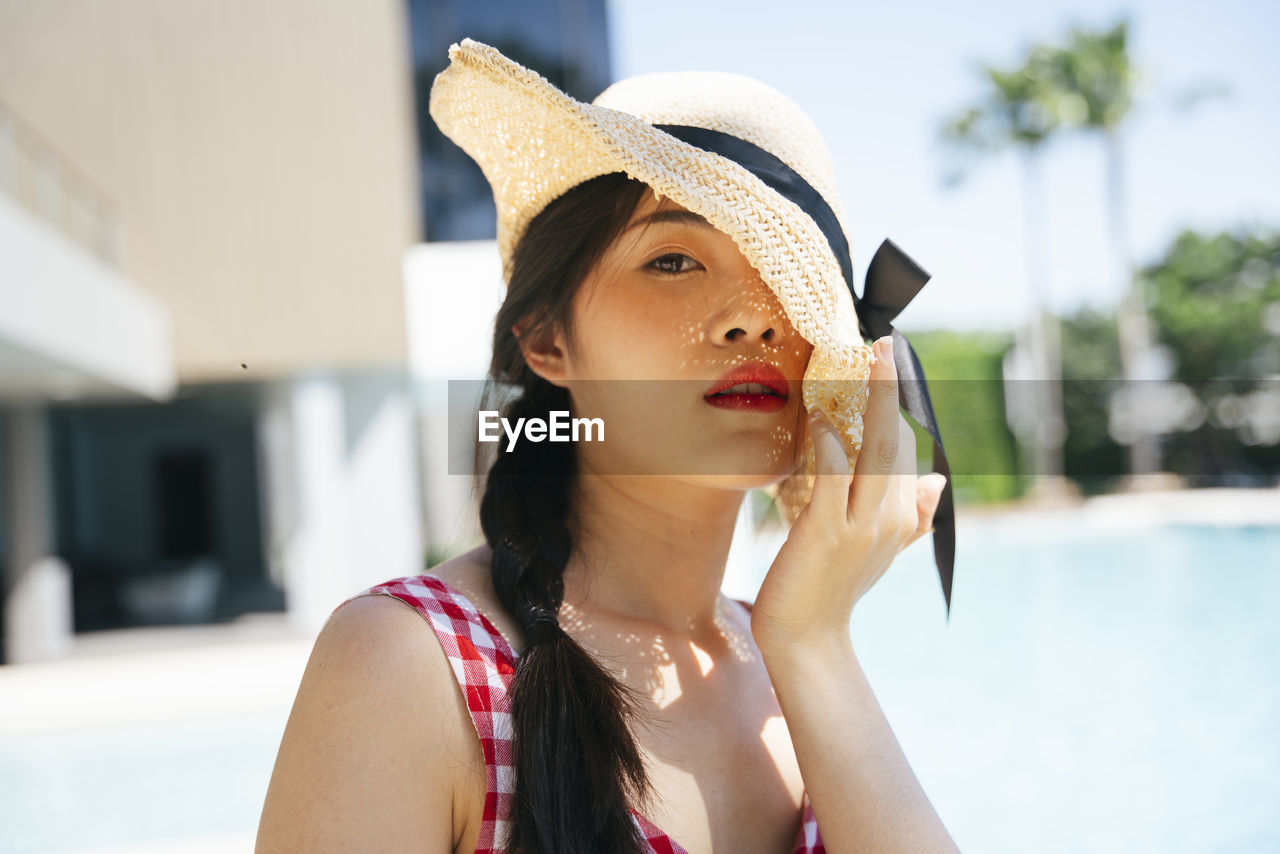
x=1210 y=506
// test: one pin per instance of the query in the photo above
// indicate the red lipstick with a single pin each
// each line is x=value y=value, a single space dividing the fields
x=762 y=388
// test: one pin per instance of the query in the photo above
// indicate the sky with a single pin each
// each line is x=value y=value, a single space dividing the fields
x=880 y=79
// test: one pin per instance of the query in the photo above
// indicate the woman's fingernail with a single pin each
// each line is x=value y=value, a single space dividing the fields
x=883 y=349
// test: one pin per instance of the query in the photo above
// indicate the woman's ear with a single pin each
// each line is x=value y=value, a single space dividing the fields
x=544 y=350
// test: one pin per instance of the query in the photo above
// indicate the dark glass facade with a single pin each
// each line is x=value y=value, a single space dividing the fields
x=565 y=41
x=157 y=509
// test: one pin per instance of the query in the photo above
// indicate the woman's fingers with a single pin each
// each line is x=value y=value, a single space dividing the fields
x=928 y=494
x=831 y=464
x=880 y=435
x=886 y=489
x=906 y=478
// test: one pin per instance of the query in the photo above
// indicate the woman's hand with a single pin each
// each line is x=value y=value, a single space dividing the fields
x=853 y=527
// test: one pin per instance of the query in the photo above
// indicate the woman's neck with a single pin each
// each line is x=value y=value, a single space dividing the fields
x=650 y=549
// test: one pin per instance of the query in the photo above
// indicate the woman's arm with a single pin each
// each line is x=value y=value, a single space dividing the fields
x=862 y=788
x=375 y=747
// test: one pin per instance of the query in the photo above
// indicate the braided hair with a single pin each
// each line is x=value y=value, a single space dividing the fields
x=578 y=768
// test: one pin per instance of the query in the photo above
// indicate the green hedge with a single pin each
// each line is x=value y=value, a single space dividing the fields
x=967 y=390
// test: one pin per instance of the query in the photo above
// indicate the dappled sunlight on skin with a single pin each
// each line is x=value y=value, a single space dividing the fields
x=704 y=660
x=708 y=726
x=754 y=300
x=750 y=299
x=673 y=301
x=707 y=710
x=646 y=654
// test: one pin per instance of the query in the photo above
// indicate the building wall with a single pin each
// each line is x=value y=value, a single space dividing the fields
x=261 y=158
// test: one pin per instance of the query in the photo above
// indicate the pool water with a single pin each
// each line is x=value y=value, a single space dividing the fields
x=124 y=788
x=1094 y=691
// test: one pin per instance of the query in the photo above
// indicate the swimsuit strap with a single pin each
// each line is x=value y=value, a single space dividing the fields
x=484 y=665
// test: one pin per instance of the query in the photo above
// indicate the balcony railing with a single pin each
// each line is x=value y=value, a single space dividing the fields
x=40 y=179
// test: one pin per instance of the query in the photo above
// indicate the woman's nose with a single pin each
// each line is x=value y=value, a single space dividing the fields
x=749 y=310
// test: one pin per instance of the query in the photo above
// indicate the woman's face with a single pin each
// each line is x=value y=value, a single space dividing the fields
x=669 y=311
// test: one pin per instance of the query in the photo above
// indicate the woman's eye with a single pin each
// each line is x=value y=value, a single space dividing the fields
x=673 y=262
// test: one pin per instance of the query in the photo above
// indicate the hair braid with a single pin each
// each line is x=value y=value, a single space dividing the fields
x=577 y=764
x=578 y=768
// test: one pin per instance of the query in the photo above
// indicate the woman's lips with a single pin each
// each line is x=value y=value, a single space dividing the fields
x=756 y=386
x=760 y=402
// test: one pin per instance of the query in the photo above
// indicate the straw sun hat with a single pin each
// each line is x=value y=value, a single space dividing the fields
x=748 y=160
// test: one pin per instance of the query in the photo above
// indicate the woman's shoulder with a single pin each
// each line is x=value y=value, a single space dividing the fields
x=355 y=737
x=453 y=599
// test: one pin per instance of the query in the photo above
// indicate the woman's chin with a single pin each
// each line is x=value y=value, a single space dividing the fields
x=737 y=480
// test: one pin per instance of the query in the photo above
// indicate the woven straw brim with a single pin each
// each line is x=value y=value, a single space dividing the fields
x=534 y=143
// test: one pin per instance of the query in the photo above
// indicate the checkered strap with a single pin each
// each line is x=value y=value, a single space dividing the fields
x=808 y=840
x=484 y=665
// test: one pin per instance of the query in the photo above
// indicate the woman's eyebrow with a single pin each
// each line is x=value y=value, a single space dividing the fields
x=679 y=217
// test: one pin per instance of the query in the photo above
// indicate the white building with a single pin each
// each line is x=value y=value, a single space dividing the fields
x=202 y=342
x=204 y=359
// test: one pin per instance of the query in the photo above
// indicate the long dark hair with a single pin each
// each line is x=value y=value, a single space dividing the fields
x=578 y=767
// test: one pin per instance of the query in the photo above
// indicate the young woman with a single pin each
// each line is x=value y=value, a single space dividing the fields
x=579 y=683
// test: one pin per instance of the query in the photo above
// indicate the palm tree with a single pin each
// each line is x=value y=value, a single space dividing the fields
x=1015 y=112
x=1093 y=83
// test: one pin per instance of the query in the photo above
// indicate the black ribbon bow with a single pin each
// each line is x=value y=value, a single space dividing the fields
x=892 y=281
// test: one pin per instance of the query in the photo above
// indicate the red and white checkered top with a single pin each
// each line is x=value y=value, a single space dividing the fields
x=485 y=665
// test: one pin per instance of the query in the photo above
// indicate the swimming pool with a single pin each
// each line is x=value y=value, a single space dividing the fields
x=1098 y=689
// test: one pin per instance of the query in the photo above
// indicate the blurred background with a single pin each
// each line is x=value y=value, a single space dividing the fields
x=239 y=268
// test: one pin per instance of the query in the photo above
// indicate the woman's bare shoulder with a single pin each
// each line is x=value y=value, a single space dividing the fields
x=471 y=575
x=469 y=569
x=357 y=770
